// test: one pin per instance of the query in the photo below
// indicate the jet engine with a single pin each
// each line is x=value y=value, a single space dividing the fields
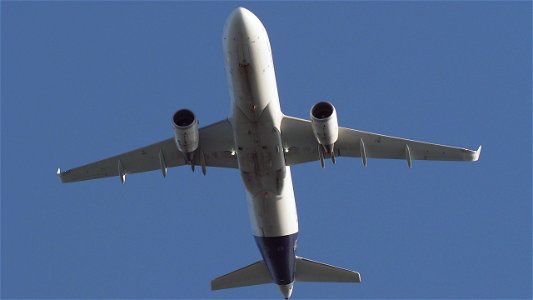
x=185 y=131
x=325 y=125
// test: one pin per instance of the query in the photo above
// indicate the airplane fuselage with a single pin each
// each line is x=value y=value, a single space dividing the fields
x=256 y=120
x=251 y=139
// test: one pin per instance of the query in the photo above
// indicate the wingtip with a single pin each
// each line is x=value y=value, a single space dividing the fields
x=60 y=175
x=477 y=154
x=358 y=277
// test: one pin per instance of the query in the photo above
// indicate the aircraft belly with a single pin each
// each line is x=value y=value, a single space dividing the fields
x=256 y=120
x=273 y=214
x=267 y=180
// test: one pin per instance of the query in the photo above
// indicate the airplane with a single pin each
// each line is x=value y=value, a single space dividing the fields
x=263 y=143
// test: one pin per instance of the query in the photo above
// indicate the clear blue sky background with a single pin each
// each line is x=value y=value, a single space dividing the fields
x=82 y=81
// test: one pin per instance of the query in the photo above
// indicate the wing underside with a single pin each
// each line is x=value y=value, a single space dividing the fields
x=215 y=150
x=301 y=145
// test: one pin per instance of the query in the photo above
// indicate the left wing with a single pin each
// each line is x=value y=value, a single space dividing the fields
x=301 y=145
x=215 y=150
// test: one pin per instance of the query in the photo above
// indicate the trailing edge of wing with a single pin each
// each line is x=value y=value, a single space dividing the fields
x=215 y=150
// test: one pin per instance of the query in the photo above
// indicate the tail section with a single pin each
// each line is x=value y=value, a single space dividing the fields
x=305 y=270
x=313 y=271
x=256 y=273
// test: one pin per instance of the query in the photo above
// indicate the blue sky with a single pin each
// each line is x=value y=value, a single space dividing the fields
x=82 y=81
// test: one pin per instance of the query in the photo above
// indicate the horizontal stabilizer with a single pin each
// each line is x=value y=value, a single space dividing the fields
x=308 y=270
x=256 y=273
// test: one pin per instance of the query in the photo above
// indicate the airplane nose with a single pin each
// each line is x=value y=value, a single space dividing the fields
x=239 y=11
x=240 y=21
x=245 y=39
x=240 y=14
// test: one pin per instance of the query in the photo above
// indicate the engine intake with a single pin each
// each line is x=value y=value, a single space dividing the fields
x=325 y=125
x=185 y=130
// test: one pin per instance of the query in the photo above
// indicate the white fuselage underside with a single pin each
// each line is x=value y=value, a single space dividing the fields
x=256 y=119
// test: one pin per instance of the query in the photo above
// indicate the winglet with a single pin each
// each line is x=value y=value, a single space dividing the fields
x=59 y=174
x=475 y=157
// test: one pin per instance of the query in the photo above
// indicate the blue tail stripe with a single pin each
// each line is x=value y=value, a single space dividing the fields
x=279 y=256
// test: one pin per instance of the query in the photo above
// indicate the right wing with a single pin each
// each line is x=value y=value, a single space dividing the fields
x=215 y=150
x=301 y=145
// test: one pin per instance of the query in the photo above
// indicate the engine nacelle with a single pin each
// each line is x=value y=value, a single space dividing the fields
x=325 y=125
x=185 y=131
